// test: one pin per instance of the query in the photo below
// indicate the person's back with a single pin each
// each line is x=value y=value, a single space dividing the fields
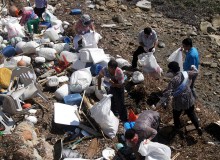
x=147 y=124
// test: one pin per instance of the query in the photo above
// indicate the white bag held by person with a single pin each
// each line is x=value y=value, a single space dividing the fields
x=91 y=39
x=177 y=57
x=137 y=77
x=80 y=80
x=149 y=63
x=102 y=114
x=154 y=151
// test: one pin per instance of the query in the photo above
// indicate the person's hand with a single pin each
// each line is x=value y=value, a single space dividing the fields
x=193 y=67
x=146 y=141
x=146 y=49
x=152 y=50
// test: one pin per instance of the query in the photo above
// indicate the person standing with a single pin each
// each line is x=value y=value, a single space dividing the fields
x=192 y=58
x=183 y=100
x=114 y=79
x=40 y=6
x=29 y=18
x=147 y=39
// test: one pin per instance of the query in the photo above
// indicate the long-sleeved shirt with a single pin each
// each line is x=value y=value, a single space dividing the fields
x=192 y=58
x=185 y=99
x=148 y=41
x=146 y=127
x=27 y=15
x=40 y=3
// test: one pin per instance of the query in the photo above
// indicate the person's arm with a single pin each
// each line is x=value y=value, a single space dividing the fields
x=77 y=27
x=24 y=17
x=152 y=132
x=193 y=72
x=100 y=76
x=92 y=26
x=45 y=3
x=140 y=39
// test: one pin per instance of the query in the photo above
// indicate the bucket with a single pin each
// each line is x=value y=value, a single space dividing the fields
x=9 y=51
x=95 y=69
x=73 y=99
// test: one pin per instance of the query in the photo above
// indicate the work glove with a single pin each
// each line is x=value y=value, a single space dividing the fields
x=152 y=50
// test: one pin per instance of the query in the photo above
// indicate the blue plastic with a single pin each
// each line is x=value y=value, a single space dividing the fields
x=66 y=40
x=47 y=24
x=9 y=51
x=129 y=125
x=95 y=69
x=75 y=12
x=73 y=99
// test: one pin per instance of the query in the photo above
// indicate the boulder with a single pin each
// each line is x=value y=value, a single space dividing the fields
x=144 y=4
x=216 y=21
x=204 y=25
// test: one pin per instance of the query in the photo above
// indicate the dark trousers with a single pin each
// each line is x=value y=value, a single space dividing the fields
x=117 y=103
x=39 y=11
x=192 y=86
x=190 y=113
x=136 y=53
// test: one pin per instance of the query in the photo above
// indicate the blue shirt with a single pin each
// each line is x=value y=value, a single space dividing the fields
x=40 y=3
x=192 y=58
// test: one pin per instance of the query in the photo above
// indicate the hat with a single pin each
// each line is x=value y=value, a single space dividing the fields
x=86 y=20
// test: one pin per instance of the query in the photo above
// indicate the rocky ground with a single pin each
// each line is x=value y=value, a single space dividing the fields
x=173 y=21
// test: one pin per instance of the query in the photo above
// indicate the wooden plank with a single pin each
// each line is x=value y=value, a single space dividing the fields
x=93 y=148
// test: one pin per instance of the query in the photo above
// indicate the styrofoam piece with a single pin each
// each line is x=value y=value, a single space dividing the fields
x=30 y=47
x=52 y=81
x=62 y=92
x=31 y=119
x=108 y=153
x=63 y=79
x=78 y=65
x=24 y=58
x=19 y=46
x=62 y=110
x=59 y=47
x=85 y=55
x=40 y=59
x=48 y=53
x=52 y=34
x=70 y=57
x=7 y=122
x=97 y=54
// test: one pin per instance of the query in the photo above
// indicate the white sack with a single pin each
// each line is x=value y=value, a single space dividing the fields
x=70 y=57
x=48 y=53
x=30 y=47
x=91 y=39
x=19 y=46
x=137 y=77
x=59 y=47
x=80 y=80
x=24 y=58
x=102 y=114
x=154 y=151
x=122 y=62
x=177 y=57
x=14 y=30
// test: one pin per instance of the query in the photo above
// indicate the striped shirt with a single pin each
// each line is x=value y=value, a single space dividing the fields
x=148 y=41
x=40 y=3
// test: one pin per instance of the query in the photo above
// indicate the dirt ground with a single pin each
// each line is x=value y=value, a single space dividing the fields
x=171 y=20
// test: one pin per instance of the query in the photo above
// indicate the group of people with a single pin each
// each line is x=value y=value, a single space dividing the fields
x=180 y=89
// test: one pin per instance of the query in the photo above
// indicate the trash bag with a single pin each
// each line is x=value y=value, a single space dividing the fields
x=177 y=57
x=137 y=77
x=154 y=151
x=91 y=39
x=102 y=114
